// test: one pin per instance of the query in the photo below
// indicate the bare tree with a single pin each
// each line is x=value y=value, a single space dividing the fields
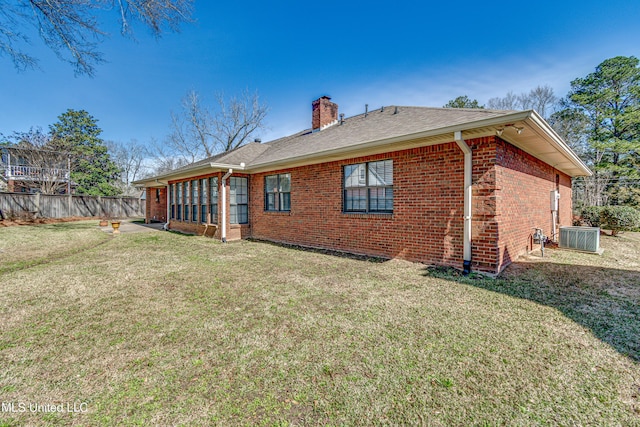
x=540 y=98
x=198 y=131
x=129 y=157
x=29 y=163
x=509 y=102
x=160 y=160
x=192 y=129
x=70 y=27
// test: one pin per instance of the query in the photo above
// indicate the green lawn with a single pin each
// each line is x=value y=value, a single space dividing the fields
x=166 y=329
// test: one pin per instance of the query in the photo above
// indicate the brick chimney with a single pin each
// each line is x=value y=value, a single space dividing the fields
x=324 y=113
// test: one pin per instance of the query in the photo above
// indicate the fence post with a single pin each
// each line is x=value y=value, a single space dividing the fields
x=37 y=205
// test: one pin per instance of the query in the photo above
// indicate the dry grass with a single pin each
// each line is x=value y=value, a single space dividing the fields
x=24 y=246
x=164 y=329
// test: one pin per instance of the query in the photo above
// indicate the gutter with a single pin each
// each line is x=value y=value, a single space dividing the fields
x=468 y=178
x=558 y=142
x=223 y=235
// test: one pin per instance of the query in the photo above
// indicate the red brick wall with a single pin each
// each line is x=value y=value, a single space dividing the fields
x=523 y=186
x=510 y=197
x=426 y=224
x=484 y=226
x=156 y=204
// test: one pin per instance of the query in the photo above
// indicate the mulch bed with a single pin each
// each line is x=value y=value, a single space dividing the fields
x=37 y=221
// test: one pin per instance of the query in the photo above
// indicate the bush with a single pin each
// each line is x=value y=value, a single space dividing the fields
x=591 y=215
x=619 y=218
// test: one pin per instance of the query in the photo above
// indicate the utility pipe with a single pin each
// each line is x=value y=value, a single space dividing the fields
x=468 y=177
x=224 y=205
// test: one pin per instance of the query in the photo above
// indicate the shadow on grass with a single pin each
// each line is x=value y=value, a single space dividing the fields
x=604 y=300
x=330 y=252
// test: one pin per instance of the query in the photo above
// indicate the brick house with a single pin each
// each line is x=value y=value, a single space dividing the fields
x=455 y=187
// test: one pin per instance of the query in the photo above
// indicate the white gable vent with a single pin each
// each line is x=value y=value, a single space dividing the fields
x=580 y=238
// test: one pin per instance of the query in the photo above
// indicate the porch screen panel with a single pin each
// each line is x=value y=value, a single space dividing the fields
x=194 y=201
x=213 y=199
x=179 y=195
x=203 y=200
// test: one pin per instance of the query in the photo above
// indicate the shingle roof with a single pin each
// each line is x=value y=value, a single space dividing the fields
x=243 y=154
x=386 y=124
x=379 y=124
x=376 y=125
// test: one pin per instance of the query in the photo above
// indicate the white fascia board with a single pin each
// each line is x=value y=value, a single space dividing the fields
x=559 y=143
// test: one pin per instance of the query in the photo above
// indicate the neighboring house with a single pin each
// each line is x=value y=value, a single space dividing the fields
x=455 y=187
x=33 y=171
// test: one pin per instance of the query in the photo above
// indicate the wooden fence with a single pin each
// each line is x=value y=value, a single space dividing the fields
x=24 y=205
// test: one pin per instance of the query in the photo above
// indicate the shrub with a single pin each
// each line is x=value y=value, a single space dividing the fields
x=591 y=215
x=620 y=218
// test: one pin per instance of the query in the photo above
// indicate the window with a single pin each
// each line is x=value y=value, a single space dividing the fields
x=186 y=200
x=238 y=200
x=194 y=201
x=213 y=199
x=179 y=216
x=203 y=201
x=172 y=200
x=277 y=192
x=368 y=187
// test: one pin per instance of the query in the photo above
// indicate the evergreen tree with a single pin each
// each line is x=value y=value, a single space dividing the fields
x=92 y=169
x=463 y=102
x=608 y=101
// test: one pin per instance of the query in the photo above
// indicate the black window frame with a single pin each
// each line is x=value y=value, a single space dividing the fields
x=186 y=193
x=236 y=209
x=194 y=188
x=281 y=199
x=179 y=199
x=365 y=190
x=202 y=199
x=172 y=200
x=213 y=196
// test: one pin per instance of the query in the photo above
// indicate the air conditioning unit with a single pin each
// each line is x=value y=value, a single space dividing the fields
x=580 y=238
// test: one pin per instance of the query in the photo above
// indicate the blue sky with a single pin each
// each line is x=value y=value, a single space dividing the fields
x=357 y=52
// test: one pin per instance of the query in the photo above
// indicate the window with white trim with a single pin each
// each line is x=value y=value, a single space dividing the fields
x=368 y=187
x=277 y=192
x=238 y=200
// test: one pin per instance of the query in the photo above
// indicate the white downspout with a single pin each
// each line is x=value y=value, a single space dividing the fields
x=468 y=177
x=168 y=193
x=223 y=191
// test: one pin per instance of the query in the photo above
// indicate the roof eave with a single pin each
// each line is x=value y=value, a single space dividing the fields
x=187 y=172
x=474 y=129
x=557 y=141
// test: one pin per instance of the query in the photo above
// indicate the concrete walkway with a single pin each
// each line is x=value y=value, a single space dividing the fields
x=127 y=226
